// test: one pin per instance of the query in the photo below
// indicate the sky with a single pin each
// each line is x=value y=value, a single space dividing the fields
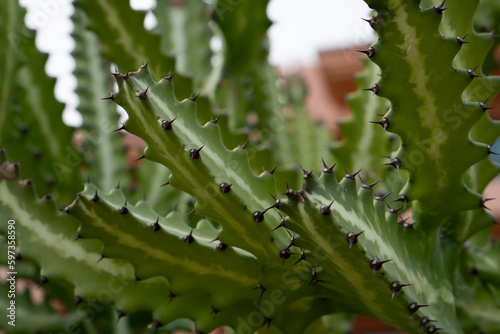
x=300 y=30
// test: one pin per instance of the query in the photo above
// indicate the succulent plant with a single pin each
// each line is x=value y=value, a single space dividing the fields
x=388 y=223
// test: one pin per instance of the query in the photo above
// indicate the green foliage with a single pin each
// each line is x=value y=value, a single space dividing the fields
x=221 y=237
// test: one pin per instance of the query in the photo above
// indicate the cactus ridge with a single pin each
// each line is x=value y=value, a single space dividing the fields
x=427 y=118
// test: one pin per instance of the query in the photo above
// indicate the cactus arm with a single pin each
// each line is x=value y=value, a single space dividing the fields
x=347 y=269
x=126 y=40
x=423 y=100
x=487 y=19
x=215 y=165
x=44 y=235
x=227 y=276
x=363 y=144
x=458 y=22
x=186 y=32
x=244 y=25
x=11 y=37
x=105 y=158
x=33 y=129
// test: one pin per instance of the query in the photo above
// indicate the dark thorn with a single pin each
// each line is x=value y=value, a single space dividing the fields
x=285 y=254
x=137 y=279
x=461 y=41
x=169 y=76
x=382 y=198
x=384 y=122
x=370 y=52
x=120 y=314
x=373 y=88
x=77 y=236
x=371 y=21
x=44 y=280
x=78 y=300
x=171 y=296
x=314 y=278
x=289 y=191
x=110 y=97
x=144 y=66
x=115 y=73
x=244 y=146
x=195 y=153
x=425 y=320
x=302 y=256
x=144 y=197
x=391 y=210
x=167 y=125
x=123 y=210
x=376 y=264
x=48 y=197
x=118 y=185
x=95 y=198
x=221 y=246
x=483 y=201
x=439 y=9
x=191 y=212
x=141 y=157
x=483 y=105
x=366 y=185
x=488 y=149
x=282 y=223
x=396 y=163
x=156 y=225
x=403 y=221
x=403 y=199
x=258 y=216
x=396 y=286
x=125 y=76
x=270 y=171
x=166 y=183
x=353 y=237
x=188 y=239
x=307 y=175
x=471 y=73
x=433 y=329
x=262 y=290
x=327 y=169
x=193 y=98
x=143 y=95
x=225 y=187
x=88 y=179
x=100 y=259
x=19 y=257
x=413 y=307
x=214 y=121
x=325 y=209
x=350 y=176
x=276 y=204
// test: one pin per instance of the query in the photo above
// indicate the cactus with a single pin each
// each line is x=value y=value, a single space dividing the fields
x=217 y=241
